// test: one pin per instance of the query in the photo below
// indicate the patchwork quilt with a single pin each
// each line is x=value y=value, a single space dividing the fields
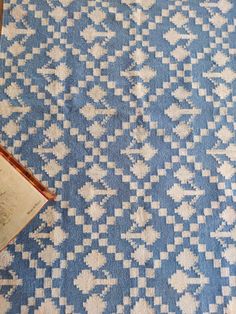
x=127 y=110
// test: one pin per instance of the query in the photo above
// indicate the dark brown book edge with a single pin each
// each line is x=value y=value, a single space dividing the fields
x=27 y=174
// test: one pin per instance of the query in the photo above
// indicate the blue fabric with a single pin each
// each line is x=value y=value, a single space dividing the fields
x=127 y=110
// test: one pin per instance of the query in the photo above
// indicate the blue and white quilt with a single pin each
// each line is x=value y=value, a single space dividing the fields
x=127 y=109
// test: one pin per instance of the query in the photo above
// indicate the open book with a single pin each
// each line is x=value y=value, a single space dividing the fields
x=21 y=197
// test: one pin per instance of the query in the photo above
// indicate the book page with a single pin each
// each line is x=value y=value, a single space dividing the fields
x=20 y=201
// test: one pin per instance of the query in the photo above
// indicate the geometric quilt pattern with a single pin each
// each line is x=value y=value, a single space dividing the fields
x=127 y=110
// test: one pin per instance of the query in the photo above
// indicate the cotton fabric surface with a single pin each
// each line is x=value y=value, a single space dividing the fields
x=126 y=109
